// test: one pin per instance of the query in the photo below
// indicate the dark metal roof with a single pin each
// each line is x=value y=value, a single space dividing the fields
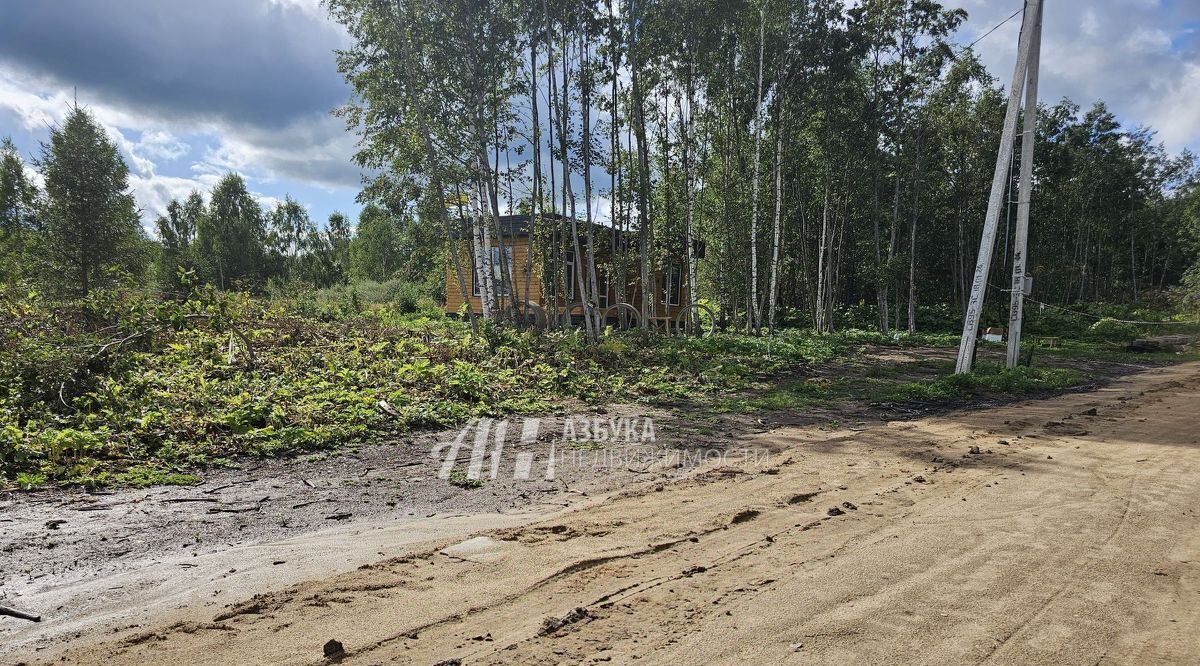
x=516 y=226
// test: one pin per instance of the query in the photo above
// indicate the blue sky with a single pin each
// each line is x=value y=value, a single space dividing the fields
x=191 y=90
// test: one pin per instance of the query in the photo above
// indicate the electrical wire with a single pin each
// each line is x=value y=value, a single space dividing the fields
x=1088 y=315
x=996 y=27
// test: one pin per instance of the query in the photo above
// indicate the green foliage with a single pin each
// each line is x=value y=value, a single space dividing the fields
x=177 y=236
x=27 y=481
x=89 y=219
x=1112 y=330
x=1055 y=322
x=987 y=379
x=374 y=252
x=1102 y=321
x=936 y=318
x=124 y=389
x=289 y=228
x=787 y=396
x=393 y=300
x=459 y=478
x=1188 y=215
x=91 y=390
x=17 y=215
x=232 y=236
x=1086 y=349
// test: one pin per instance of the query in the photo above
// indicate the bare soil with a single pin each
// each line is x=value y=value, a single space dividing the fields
x=1036 y=531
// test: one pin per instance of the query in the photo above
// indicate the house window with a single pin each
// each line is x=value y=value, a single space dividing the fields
x=497 y=271
x=672 y=284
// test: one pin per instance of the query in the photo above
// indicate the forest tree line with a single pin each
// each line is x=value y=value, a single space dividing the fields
x=83 y=231
x=830 y=155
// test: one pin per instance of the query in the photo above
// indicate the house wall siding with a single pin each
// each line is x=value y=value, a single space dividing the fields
x=520 y=253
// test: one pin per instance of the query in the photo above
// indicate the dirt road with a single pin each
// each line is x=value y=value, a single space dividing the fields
x=1054 y=531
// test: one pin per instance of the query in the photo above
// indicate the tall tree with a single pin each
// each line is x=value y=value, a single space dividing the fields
x=290 y=227
x=232 y=235
x=177 y=235
x=339 y=233
x=89 y=217
x=375 y=250
x=17 y=200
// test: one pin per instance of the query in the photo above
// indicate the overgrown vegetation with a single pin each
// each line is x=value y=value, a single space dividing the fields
x=123 y=388
x=988 y=379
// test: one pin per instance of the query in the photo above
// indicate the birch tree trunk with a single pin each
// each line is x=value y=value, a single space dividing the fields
x=823 y=265
x=639 y=117
x=564 y=109
x=689 y=199
x=535 y=202
x=754 y=322
x=585 y=83
x=557 y=281
x=772 y=294
x=615 y=185
x=912 y=241
x=483 y=262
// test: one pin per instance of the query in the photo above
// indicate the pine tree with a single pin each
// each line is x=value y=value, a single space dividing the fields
x=90 y=220
x=374 y=252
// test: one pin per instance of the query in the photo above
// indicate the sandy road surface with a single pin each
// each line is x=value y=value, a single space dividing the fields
x=1071 y=537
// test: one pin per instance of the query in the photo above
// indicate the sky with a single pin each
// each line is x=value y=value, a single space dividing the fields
x=189 y=91
x=1142 y=57
x=192 y=90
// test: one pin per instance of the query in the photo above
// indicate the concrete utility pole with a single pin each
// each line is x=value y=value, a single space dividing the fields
x=1021 y=281
x=1029 y=28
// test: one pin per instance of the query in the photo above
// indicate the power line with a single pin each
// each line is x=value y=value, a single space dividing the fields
x=996 y=27
x=1088 y=315
x=1092 y=316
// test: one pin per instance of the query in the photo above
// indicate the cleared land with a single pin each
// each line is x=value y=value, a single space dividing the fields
x=1071 y=537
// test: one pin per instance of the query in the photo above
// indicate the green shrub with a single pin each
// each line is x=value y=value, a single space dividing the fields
x=987 y=379
x=1054 y=322
x=1112 y=330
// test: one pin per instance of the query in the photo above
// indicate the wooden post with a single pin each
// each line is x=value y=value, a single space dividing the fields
x=966 y=347
x=1020 y=243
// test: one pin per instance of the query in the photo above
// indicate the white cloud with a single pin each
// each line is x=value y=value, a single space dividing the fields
x=154 y=192
x=141 y=165
x=34 y=176
x=314 y=150
x=310 y=7
x=267 y=202
x=1090 y=24
x=1138 y=56
x=1148 y=40
x=162 y=145
x=1176 y=115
